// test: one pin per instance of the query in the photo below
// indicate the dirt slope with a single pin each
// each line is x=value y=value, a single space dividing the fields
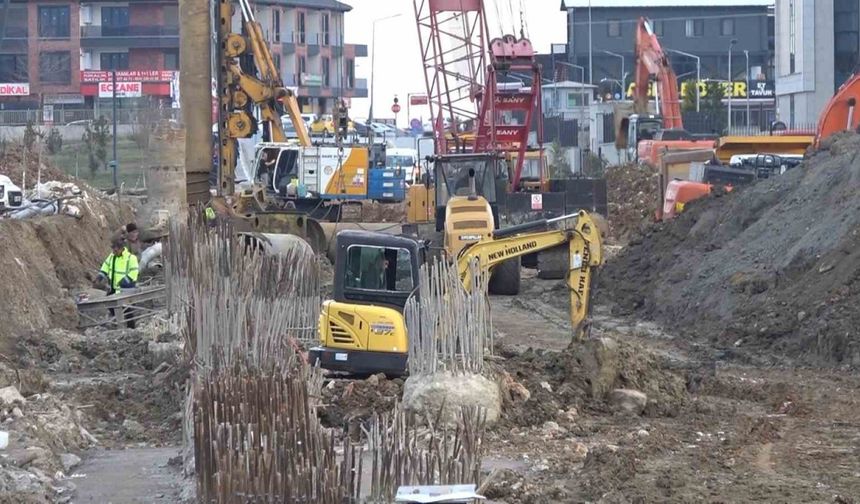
x=42 y=259
x=773 y=266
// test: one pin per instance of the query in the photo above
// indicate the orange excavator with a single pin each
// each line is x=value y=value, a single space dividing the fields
x=645 y=135
x=840 y=113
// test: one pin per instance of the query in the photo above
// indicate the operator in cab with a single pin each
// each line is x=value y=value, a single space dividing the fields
x=376 y=274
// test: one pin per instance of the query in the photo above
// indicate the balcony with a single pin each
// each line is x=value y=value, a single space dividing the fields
x=136 y=36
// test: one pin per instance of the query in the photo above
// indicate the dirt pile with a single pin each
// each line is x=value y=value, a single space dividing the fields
x=15 y=160
x=43 y=260
x=582 y=378
x=773 y=266
x=346 y=401
x=631 y=194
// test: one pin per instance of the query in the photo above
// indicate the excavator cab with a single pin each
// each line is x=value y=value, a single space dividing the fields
x=362 y=329
x=452 y=174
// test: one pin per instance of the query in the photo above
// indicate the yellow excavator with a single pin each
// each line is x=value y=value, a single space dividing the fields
x=362 y=329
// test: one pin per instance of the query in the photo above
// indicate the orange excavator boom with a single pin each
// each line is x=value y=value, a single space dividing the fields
x=840 y=113
x=651 y=60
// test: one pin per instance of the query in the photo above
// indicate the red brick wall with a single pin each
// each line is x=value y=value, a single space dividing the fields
x=145 y=59
x=37 y=45
x=145 y=14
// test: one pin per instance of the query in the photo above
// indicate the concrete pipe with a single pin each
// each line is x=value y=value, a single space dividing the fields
x=150 y=258
x=277 y=244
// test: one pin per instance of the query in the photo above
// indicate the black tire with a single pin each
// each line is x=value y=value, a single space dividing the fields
x=552 y=263
x=505 y=279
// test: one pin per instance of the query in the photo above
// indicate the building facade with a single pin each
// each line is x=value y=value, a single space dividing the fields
x=817 y=49
x=596 y=28
x=63 y=54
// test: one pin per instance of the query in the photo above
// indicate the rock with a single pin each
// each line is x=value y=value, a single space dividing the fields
x=10 y=395
x=552 y=428
x=569 y=415
x=642 y=433
x=580 y=451
x=374 y=380
x=17 y=413
x=546 y=386
x=132 y=427
x=428 y=393
x=69 y=461
x=513 y=391
x=628 y=401
x=601 y=362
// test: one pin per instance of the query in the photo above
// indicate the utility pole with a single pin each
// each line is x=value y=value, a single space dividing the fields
x=590 y=63
x=195 y=95
x=113 y=107
x=747 y=55
x=373 y=60
x=698 y=72
x=731 y=86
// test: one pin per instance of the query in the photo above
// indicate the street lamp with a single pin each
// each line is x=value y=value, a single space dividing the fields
x=373 y=60
x=731 y=86
x=622 y=66
x=747 y=56
x=698 y=72
x=581 y=83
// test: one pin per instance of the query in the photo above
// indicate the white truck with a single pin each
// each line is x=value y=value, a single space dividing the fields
x=11 y=196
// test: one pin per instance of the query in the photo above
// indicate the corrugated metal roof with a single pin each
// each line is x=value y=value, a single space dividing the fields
x=566 y=4
x=309 y=4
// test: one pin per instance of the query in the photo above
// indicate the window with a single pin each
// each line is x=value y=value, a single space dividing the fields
x=791 y=111
x=55 y=67
x=54 y=22
x=302 y=68
x=792 y=34
x=326 y=71
x=114 y=61
x=613 y=28
x=378 y=268
x=324 y=29
x=276 y=25
x=301 y=25
x=16 y=21
x=576 y=99
x=13 y=68
x=695 y=27
x=114 y=21
x=350 y=73
x=727 y=27
x=658 y=27
x=171 y=15
x=171 y=60
x=277 y=58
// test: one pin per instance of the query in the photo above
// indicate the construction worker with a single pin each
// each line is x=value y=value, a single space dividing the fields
x=120 y=270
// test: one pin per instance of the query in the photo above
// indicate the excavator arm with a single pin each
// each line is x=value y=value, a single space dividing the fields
x=840 y=113
x=584 y=247
x=651 y=60
x=238 y=90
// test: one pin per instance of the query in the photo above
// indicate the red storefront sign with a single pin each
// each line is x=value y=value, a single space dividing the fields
x=13 y=89
x=96 y=76
x=123 y=90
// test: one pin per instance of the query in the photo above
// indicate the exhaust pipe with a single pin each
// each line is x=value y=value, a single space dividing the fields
x=851 y=103
x=473 y=193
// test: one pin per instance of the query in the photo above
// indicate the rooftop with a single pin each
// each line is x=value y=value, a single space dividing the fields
x=310 y=4
x=568 y=85
x=568 y=4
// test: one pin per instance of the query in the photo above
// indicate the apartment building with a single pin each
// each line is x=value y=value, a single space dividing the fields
x=817 y=49
x=61 y=53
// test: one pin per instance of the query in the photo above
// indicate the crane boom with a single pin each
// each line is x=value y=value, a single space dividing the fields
x=651 y=60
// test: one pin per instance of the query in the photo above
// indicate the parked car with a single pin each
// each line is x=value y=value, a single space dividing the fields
x=11 y=195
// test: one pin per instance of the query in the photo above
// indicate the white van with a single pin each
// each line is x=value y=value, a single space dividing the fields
x=406 y=159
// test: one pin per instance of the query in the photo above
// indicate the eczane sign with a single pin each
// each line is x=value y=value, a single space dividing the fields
x=123 y=90
x=15 y=89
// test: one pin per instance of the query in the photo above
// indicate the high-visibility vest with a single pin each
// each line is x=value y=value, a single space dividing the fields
x=117 y=267
x=209 y=212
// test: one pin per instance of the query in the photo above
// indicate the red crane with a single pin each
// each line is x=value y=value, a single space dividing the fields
x=651 y=60
x=470 y=108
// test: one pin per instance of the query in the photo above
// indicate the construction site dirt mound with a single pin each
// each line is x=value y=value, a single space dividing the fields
x=632 y=200
x=43 y=260
x=774 y=266
x=348 y=401
x=15 y=161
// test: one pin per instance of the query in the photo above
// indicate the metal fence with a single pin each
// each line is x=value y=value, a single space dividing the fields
x=64 y=117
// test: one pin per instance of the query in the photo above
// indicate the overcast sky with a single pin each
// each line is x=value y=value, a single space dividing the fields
x=398 y=57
